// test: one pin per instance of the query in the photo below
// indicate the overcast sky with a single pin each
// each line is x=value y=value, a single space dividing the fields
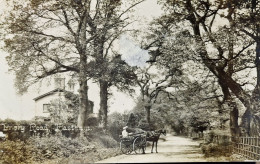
x=22 y=107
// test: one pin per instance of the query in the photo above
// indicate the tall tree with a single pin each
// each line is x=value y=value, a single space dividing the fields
x=152 y=81
x=248 y=23
x=50 y=37
x=108 y=69
x=210 y=44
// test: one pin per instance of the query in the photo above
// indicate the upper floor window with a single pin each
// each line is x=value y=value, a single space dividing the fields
x=46 y=108
x=60 y=83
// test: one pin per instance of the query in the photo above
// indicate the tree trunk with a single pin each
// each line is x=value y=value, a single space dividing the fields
x=256 y=93
x=245 y=123
x=103 y=103
x=83 y=90
x=148 y=113
x=83 y=103
x=233 y=122
x=234 y=128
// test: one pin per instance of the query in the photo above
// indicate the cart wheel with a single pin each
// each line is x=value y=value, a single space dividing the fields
x=139 y=145
x=125 y=148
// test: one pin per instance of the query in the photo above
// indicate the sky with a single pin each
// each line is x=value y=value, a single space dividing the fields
x=21 y=107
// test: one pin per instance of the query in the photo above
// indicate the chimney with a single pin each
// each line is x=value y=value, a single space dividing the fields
x=59 y=83
x=71 y=86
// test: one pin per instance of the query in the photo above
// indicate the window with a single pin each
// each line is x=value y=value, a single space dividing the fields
x=46 y=108
x=60 y=83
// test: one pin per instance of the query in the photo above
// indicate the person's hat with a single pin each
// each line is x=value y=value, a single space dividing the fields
x=125 y=127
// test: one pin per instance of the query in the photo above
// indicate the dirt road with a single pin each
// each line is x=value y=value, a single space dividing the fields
x=170 y=149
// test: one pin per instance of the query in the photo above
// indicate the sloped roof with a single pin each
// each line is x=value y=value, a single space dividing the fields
x=49 y=93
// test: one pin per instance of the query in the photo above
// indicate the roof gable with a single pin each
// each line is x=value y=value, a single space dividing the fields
x=49 y=93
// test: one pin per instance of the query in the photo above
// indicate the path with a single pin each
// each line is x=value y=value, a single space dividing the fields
x=170 y=149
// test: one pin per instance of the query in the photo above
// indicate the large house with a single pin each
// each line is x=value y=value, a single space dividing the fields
x=43 y=101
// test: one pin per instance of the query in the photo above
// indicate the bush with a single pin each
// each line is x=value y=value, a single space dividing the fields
x=116 y=122
x=59 y=146
x=102 y=138
x=115 y=130
x=107 y=141
x=215 y=150
x=143 y=124
x=209 y=136
x=14 y=152
x=55 y=149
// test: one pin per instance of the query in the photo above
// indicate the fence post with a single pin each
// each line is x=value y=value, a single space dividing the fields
x=258 y=148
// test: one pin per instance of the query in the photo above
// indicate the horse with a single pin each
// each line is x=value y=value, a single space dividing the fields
x=153 y=136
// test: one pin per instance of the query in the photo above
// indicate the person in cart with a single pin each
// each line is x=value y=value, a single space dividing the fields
x=125 y=134
x=129 y=132
x=2 y=136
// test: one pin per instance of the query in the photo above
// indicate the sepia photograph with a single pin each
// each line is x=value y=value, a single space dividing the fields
x=139 y=81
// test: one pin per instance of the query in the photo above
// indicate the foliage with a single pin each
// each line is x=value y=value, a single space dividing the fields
x=59 y=146
x=199 y=125
x=220 y=48
x=186 y=109
x=96 y=146
x=132 y=120
x=16 y=152
x=64 y=111
x=48 y=52
x=215 y=150
x=116 y=122
x=143 y=124
x=104 y=140
x=45 y=38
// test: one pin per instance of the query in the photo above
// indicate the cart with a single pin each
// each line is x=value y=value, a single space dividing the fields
x=133 y=143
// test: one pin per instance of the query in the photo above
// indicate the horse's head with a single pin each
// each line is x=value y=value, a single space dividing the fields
x=161 y=131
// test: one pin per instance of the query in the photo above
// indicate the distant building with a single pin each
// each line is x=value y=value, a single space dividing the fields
x=43 y=101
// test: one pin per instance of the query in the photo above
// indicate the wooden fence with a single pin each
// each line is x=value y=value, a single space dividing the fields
x=249 y=147
x=221 y=139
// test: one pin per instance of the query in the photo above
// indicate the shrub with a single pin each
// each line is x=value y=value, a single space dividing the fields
x=143 y=124
x=115 y=130
x=14 y=152
x=103 y=138
x=209 y=136
x=107 y=141
x=116 y=122
x=215 y=150
x=59 y=146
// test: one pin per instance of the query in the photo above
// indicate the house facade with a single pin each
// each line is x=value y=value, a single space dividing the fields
x=57 y=91
x=43 y=101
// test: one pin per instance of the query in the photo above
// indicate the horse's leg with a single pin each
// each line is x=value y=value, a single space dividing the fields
x=156 y=146
x=152 y=147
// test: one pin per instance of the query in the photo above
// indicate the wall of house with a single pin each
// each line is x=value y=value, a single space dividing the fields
x=46 y=100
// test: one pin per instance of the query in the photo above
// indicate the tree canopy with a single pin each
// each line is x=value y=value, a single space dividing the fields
x=45 y=38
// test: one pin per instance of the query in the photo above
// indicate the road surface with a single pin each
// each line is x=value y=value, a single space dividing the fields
x=170 y=149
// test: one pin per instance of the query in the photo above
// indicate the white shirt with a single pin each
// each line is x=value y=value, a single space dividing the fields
x=124 y=133
x=2 y=134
